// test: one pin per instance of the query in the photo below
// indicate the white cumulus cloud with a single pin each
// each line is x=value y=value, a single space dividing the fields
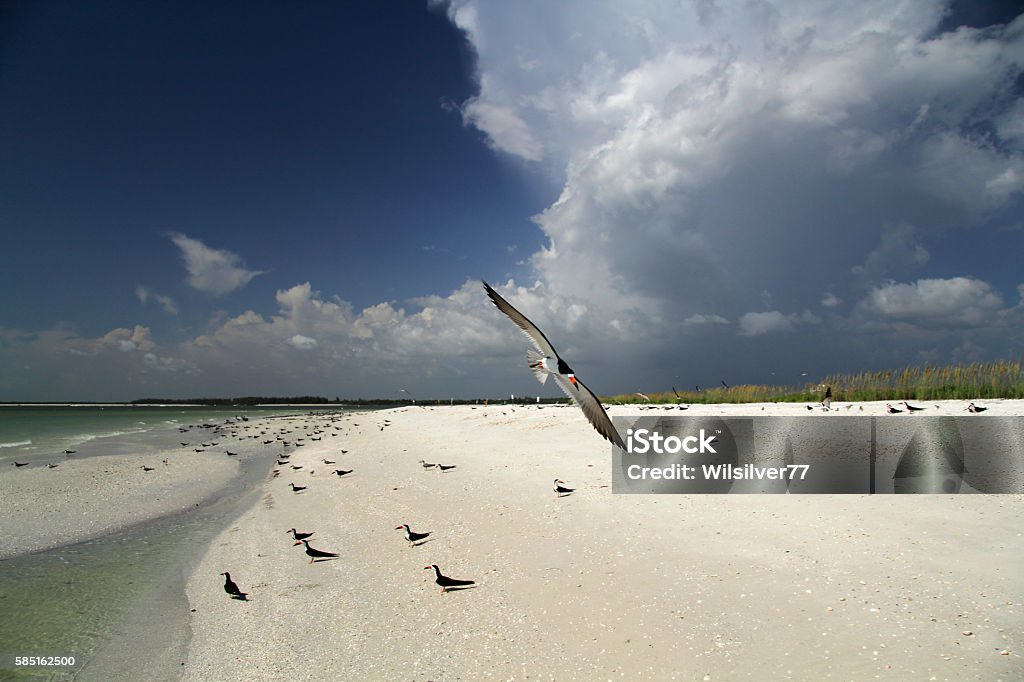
x=216 y=271
x=953 y=302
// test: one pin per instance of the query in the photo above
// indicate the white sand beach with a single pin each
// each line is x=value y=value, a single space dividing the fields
x=594 y=585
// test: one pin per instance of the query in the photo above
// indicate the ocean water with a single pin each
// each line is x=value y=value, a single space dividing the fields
x=34 y=432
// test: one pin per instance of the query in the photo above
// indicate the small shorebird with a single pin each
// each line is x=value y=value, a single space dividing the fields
x=297 y=488
x=444 y=581
x=560 y=488
x=315 y=554
x=328 y=461
x=427 y=465
x=232 y=589
x=411 y=536
x=297 y=535
x=548 y=363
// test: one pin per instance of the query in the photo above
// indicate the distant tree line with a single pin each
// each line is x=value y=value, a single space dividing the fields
x=250 y=401
x=245 y=401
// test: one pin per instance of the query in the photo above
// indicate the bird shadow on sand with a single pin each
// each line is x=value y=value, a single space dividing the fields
x=240 y=597
x=420 y=543
x=326 y=558
x=461 y=587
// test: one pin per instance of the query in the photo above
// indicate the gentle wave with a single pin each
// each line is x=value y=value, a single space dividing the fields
x=86 y=437
x=16 y=445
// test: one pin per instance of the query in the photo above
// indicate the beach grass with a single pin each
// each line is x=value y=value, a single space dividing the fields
x=978 y=380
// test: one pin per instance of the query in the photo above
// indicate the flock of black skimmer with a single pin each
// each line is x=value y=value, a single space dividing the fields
x=316 y=554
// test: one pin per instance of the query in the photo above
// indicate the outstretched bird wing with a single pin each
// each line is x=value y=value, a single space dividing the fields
x=585 y=399
x=535 y=335
x=579 y=394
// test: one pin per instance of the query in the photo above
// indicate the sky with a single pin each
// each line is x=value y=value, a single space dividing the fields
x=261 y=198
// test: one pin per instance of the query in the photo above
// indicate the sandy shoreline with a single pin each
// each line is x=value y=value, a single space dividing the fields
x=91 y=497
x=596 y=586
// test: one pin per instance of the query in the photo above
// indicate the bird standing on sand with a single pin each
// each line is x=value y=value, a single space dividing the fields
x=974 y=409
x=411 y=536
x=297 y=488
x=313 y=553
x=342 y=472
x=445 y=467
x=560 y=488
x=911 y=408
x=892 y=410
x=232 y=589
x=444 y=581
x=297 y=535
x=547 y=363
x=427 y=465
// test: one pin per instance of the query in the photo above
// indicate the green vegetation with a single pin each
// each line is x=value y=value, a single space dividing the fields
x=1000 y=379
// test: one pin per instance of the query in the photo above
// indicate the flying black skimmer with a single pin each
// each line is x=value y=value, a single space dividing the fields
x=911 y=408
x=445 y=467
x=427 y=465
x=411 y=536
x=297 y=488
x=646 y=398
x=974 y=409
x=892 y=410
x=444 y=581
x=560 y=488
x=342 y=472
x=315 y=554
x=297 y=535
x=232 y=589
x=547 y=363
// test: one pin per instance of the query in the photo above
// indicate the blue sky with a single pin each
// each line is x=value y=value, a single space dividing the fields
x=263 y=198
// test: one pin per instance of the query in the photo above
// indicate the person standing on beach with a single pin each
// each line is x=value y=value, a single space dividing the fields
x=827 y=402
